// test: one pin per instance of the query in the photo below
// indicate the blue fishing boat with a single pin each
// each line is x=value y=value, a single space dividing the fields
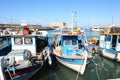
x=110 y=43
x=29 y=54
x=71 y=50
x=5 y=45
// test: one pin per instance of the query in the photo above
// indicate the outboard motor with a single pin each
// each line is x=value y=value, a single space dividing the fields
x=11 y=60
x=27 y=55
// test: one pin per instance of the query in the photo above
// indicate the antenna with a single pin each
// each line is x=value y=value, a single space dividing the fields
x=38 y=20
x=112 y=21
x=72 y=20
x=75 y=19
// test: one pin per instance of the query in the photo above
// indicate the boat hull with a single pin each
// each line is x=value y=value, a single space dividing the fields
x=77 y=66
x=111 y=55
x=23 y=74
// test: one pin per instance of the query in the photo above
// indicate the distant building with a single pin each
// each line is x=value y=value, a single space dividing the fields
x=68 y=26
x=58 y=25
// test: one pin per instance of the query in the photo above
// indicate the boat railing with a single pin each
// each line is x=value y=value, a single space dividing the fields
x=75 y=31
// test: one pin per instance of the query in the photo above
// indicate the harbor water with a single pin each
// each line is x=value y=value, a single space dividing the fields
x=99 y=68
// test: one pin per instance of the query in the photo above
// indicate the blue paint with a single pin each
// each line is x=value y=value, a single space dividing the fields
x=111 y=51
x=72 y=61
x=70 y=45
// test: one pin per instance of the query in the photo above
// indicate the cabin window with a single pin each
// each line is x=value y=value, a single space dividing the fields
x=107 y=37
x=67 y=42
x=28 y=40
x=119 y=39
x=18 y=40
x=74 y=41
x=102 y=37
x=3 y=43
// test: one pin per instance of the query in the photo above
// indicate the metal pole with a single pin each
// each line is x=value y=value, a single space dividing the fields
x=72 y=20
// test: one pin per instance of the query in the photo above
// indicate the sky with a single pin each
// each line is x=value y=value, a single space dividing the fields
x=44 y=12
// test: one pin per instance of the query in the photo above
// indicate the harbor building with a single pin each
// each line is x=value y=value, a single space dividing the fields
x=57 y=25
x=4 y=26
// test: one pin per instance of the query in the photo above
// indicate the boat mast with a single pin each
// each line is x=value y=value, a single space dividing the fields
x=74 y=20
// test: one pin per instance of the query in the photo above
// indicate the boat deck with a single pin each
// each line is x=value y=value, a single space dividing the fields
x=26 y=63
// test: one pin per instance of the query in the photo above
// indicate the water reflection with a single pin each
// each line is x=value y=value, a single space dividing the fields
x=109 y=69
x=101 y=69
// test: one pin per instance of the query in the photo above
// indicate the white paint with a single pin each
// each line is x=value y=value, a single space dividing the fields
x=2 y=65
x=31 y=48
x=118 y=47
x=108 y=45
x=108 y=55
x=76 y=67
x=102 y=37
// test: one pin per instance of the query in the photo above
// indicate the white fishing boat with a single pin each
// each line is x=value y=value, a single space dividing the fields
x=110 y=43
x=29 y=54
x=96 y=29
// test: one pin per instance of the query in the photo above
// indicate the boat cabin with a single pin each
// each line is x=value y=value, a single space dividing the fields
x=71 y=44
x=34 y=43
x=110 y=41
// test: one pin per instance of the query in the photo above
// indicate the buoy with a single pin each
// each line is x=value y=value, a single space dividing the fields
x=78 y=29
x=95 y=39
x=74 y=33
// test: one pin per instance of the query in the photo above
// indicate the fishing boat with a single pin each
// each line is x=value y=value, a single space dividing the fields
x=110 y=43
x=71 y=50
x=29 y=54
x=95 y=29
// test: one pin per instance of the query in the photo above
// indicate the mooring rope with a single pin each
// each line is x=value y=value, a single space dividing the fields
x=81 y=66
x=96 y=67
x=78 y=73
